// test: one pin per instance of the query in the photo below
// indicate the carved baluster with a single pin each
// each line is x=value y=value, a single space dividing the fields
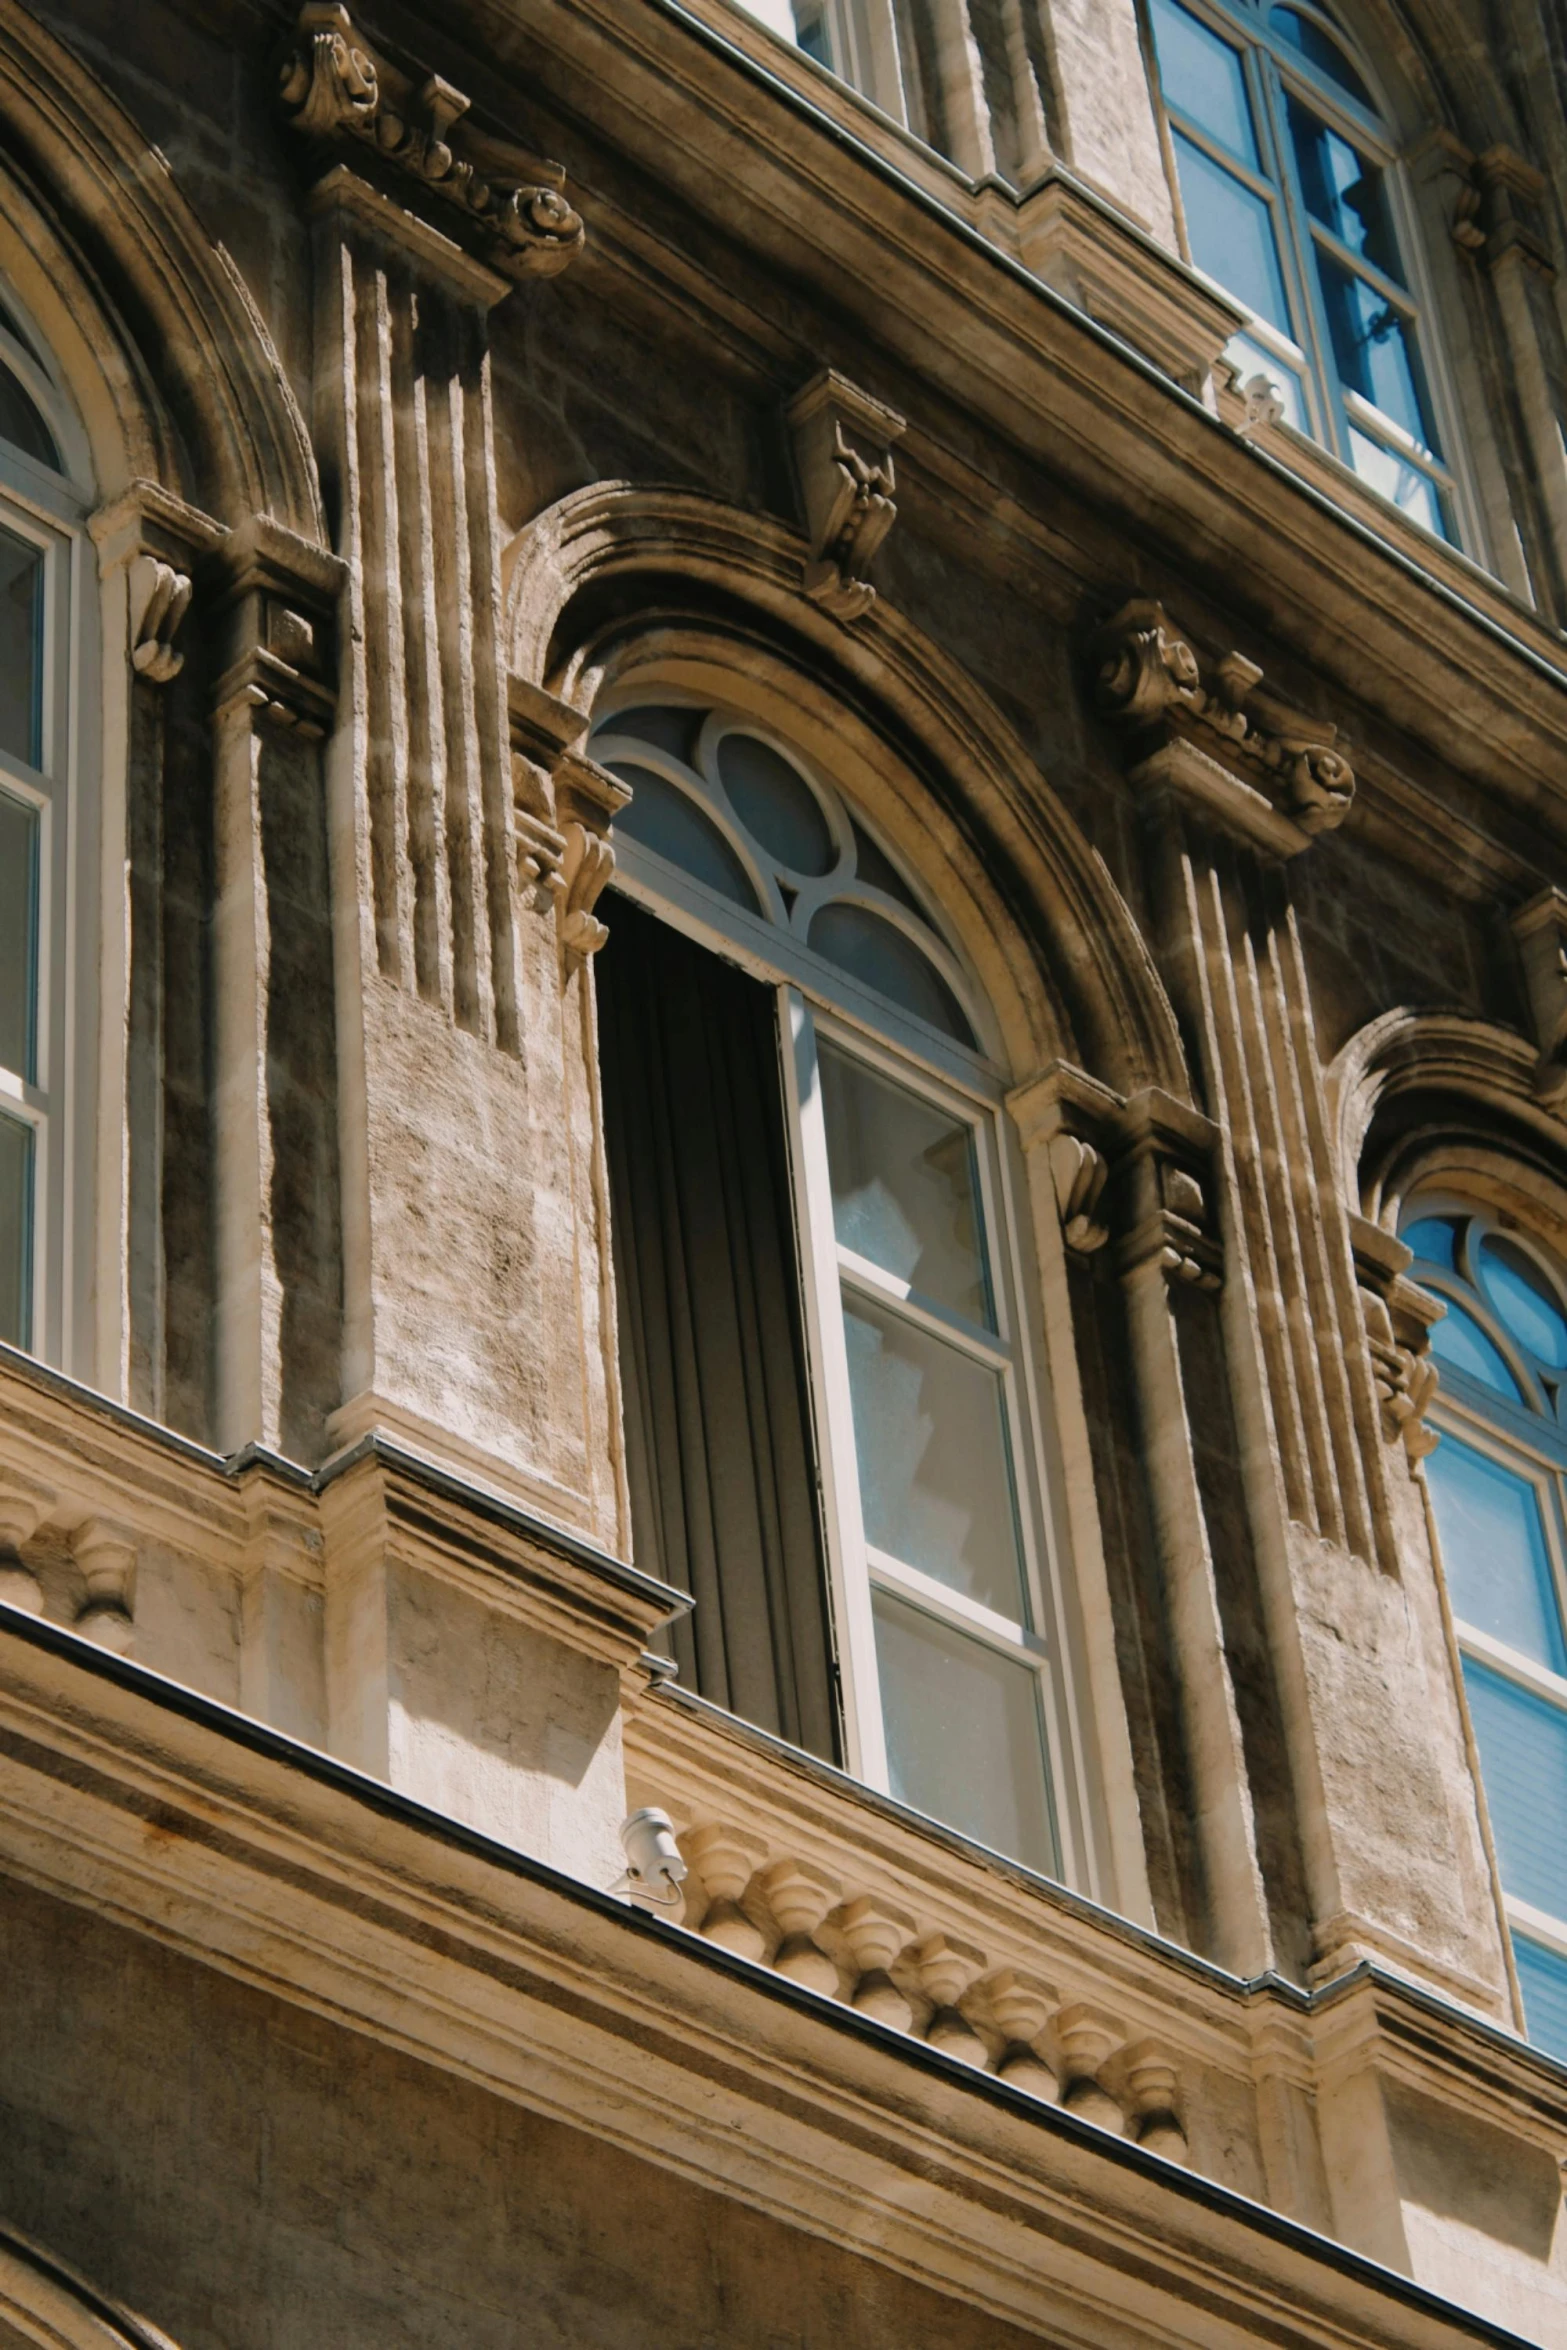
x=1021 y=2010
x=799 y=1898
x=946 y=1970
x=875 y=1933
x=106 y=1555
x=1087 y=2041
x=725 y=1859
x=1150 y=2086
x=22 y=1510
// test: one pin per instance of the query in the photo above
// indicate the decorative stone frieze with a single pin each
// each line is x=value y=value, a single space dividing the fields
x=336 y=87
x=1203 y=732
x=843 y=442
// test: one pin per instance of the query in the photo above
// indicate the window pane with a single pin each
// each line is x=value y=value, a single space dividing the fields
x=1343 y=190
x=18 y=934
x=874 y=867
x=667 y=728
x=1494 y=1550
x=879 y=955
x=1321 y=50
x=1231 y=231
x=1458 y=1339
x=663 y=819
x=935 y=1473
x=1204 y=77
x=1523 y=1753
x=21 y=647
x=963 y=1733
x=21 y=424
x=1403 y=485
x=1434 y=1240
x=1372 y=349
x=1542 y=1978
x=16 y=1232
x=905 y=1188
x=1524 y=1300
x=776 y=805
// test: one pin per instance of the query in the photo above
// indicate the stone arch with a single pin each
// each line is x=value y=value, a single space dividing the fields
x=616 y=566
x=149 y=320
x=44 y=2302
x=1427 y=1098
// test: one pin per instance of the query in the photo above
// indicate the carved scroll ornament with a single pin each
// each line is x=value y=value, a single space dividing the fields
x=334 y=85
x=843 y=441
x=1288 y=780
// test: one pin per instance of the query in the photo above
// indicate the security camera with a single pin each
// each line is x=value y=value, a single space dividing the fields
x=656 y=1870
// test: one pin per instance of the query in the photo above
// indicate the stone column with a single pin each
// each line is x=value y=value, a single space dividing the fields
x=1367 y=1731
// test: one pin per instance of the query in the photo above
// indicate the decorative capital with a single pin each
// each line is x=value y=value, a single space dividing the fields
x=843 y=442
x=1540 y=930
x=1499 y=214
x=1398 y=1315
x=160 y=542
x=278 y=598
x=336 y=86
x=1202 y=731
x=1136 y=1170
x=565 y=804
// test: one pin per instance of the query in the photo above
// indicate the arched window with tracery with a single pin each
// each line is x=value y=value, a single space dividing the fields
x=1498 y=1483
x=1293 y=204
x=832 y=1429
x=40 y=513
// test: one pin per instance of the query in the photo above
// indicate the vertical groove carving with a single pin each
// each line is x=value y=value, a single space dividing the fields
x=380 y=537
x=426 y=731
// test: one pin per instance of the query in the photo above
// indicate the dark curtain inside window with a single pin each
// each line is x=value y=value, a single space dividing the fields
x=723 y=1497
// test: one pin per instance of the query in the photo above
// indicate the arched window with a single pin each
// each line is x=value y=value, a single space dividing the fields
x=1293 y=206
x=1499 y=1487
x=831 y=1432
x=38 y=511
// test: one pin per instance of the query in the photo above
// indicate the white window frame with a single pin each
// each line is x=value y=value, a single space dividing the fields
x=1271 y=66
x=47 y=508
x=1513 y=1435
x=816 y=1000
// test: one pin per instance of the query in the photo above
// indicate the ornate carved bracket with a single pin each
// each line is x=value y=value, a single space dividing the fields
x=1499 y=215
x=564 y=806
x=278 y=599
x=1398 y=1315
x=1540 y=929
x=843 y=442
x=335 y=86
x=1203 y=731
x=160 y=541
x=1133 y=1170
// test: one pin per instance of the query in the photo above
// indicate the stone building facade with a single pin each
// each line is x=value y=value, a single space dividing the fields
x=783 y=1174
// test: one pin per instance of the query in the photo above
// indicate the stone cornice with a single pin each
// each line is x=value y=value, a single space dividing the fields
x=279 y=1866
x=1432 y=645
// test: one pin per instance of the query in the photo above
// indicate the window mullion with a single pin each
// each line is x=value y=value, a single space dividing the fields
x=843 y=1529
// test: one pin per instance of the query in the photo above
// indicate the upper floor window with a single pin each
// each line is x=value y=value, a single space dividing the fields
x=38 y=540
x=1294 y=207
x=862 y=41
x=1499 y=1487
x=832 y=1433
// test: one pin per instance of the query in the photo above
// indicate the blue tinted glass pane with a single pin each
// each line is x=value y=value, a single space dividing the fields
x=664 y=820
x=1372 y=348
x=18 y=934
x=16 y=1232
x=1523 y=1754
x=1458 y=1339
x=21 y=648
x=1524 y=1300
x=1542 y=1978
x=776 y=805
x=1204 y=78
x=1402 y=484
x=666 y=726
x=879 y=955
x=1434 y=1240
x=963 y=1733
x=1493 y=1547
x=1231 y=231
x=1321 y=50
x=21 y=424
x=1343 y=190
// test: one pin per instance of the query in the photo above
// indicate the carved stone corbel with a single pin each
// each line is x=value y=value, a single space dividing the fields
x=1540 y=930
x=336 y=86
x=843 y=442
x=1398 y=1315
x=160 y=542
x=1162 y=1177
x=106 y=1555
x=1078 y=1171
x=564 y=804
x=587 y=801
x=1203 y=733
x=160 y=598
x=278 y=599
